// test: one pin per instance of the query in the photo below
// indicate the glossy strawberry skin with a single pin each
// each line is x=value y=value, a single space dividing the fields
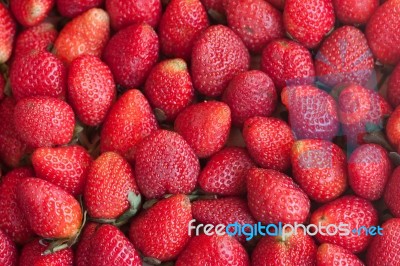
x=205 y=126
x=31 y=12
x=351 y=12
x=73 y=8
x=271 y=150
x=129 y=120
x=251 y=93
x=83 y=247
x=8 y=250
x=91 y=89
x=7 y=33
x=2 y=86
x=331 y=254
x=392 y=193
x=393 y=87
x=224 y=50
x=393 y=129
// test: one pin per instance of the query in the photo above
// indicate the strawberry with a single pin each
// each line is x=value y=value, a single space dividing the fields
x=382 y=33
x=91 y=89
x=213 y=250
x=369 y=169
x=290 y=250
x=109 y=182
x=308 y=21
x=385 y=249
x=287 y=63
x=331 y=254
x=169 y=88
x=269 y=141
x=344 y=57
x=38 y=74
x=7 y=33
x=225 y=172
x=73 y=8
x=214 y=5
x=393 y=129
x=354 y=213
x=125 y=13
x=165 y=164
x=320 y=168
x=351 y=12
x=31 y=12
x=129 y=120
x=131 y=53
x=83 y=249
x=392 y=193
x=273 y=197
x=161 y=232
x=312 y=112
x=250 y=94
x=393 y=87
x=44 y=121
x=8 y=250
x=256 y=22
x=2 y=87
x=180 y=24
x=205 y=126
x=221 y=48
x=86 y=34
x=279 y=4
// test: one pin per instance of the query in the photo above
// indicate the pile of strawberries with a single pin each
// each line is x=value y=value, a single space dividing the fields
x=121 y=121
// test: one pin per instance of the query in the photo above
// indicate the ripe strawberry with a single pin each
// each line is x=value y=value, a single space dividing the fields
x=344 y=57
x=213 y=250
x=382 y=33
x=125 y=13
x=295 y=249
x=165 y=164
x=2 y=87
x=385 y=249
x=269 y=141
x=308 y=21
x=369 y=169
x=31 y=12
x=169 y=88
x=353 y=212
x=161 y=232
x=86 y=34
x=205 y=126
x=7 y=33
x=38 y=74
x=129 y=120
x=225 y=172
x=279 y=4
x=393 y=129
x=273 y=197
x=352 y=12
x=287 y=63
x=8 y=251
x=83 y=249
x=312 y=112
x=44 y=121
x=392 y=193
x=91 y=89
x=331 y=254
x=320 y=168
x=393 y=87
x=221 y=48
x=131 y=54
x=73 y=8
x=180 y=24
x=250 y=94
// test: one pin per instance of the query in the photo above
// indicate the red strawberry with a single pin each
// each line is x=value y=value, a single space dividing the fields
x=385 y=249
x=83 y=249
x=161 y=232
x=213 y=250
x=225 y=172
x=382 y=33
x=269 y=141
x=295 y=249
x=7 y=33
x=180 y=24
x=131 y=53
x=44 y=121
x=279 y=4
x=87 y=34
x=369 y=169
x=129 y=120
x=393 y=87
x=273 y=197
x=320 y=168
x=393 y=129
x=165 y=164
x=31 y=12
x=221 y=48
x=109 y=182
x=8 y=251
x=344 y=57
x=2 y=87
x=32 y=255
x=312 y=112
x=353 y=213
x=256 y=22
x=250 y=94
x=352 y=12
x=169 y=88
x=37 y=199
x=392 y=193
x=215 y=5
x=205 y=126
x=125 y=13
x=287 y=63
x=331 y=254
x=38 y=74
x=73 y=8
x=308 y=21
x=91 y=89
